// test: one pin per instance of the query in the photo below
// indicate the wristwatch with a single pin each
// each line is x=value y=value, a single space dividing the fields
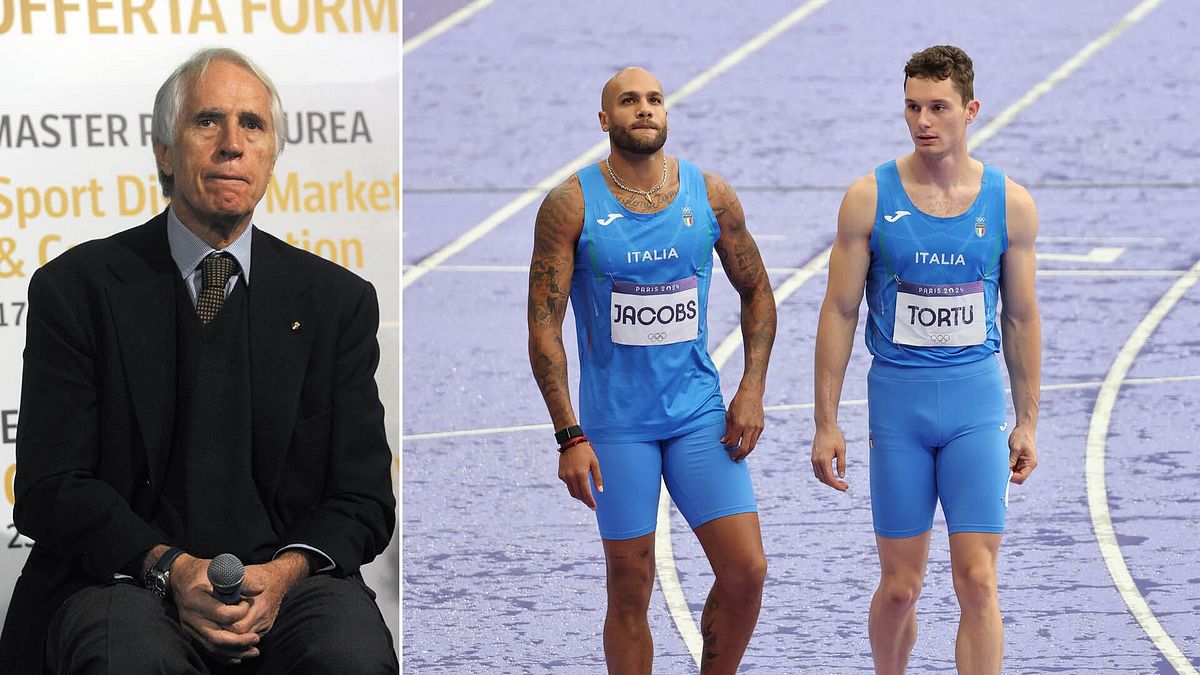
x=564 y=435
x=158 y=577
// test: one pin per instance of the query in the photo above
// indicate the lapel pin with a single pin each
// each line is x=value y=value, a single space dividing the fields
x=295 y=326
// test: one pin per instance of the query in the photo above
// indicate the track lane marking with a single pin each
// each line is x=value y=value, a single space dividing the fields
x=780 y=407
x=1101 y=255
x=1064 y=71
x=664 y=562
x=444 y=25
x=777 y=271
x=1097 y=489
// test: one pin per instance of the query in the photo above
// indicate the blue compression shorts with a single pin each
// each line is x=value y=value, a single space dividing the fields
x=938 y=433
x=703 y=481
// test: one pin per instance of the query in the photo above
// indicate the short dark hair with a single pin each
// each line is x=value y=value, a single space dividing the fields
x=944 y=61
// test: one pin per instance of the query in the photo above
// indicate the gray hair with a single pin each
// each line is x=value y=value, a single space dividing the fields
x=169 y=100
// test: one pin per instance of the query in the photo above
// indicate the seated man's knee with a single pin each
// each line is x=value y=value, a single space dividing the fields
x=329 y=625
x=117 y=628
x=345 y=652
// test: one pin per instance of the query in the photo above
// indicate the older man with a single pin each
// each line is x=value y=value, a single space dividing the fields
x=194 y=386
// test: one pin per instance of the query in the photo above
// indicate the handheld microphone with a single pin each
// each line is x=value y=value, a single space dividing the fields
x=225 y=573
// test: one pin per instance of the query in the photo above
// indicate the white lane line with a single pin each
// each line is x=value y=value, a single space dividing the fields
x=734 y=340
x=597 y=151
x=1091 y=238
x=476 y=432
x=668 y=575
x=1111 y=273
x=1064 y=71
x=784 y=407
x=1047 y=387
x=1097 y=490
x=445 y=24
x=1100 y=255
x=778 y=271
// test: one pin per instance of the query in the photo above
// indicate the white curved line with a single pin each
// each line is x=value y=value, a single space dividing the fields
x=664 y=560
x=594 y=153
x=668 y=578
x=1097 y=491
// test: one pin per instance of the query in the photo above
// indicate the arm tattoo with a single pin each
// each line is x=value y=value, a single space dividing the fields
x=555 y=232
x=744 y=267
x=727 y=200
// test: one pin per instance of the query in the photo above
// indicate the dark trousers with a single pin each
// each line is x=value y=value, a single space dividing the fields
x=325 y=625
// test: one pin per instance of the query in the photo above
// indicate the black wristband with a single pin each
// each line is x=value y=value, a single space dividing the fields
x=563 y=435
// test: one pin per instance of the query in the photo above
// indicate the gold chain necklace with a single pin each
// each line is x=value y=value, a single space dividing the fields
x=648 y=194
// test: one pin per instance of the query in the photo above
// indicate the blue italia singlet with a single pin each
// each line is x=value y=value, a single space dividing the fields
x=933 y=283
x=640 y=298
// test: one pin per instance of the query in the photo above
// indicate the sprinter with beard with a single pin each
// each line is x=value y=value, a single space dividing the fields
x=630 y=238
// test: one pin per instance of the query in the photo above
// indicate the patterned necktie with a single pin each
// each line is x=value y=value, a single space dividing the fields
x=215 y=270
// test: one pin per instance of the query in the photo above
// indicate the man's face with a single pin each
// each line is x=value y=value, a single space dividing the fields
x=936 y=117
x=224 y=147
x=635 y=113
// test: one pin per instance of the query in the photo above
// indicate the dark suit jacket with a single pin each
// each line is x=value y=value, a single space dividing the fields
x=98 y=405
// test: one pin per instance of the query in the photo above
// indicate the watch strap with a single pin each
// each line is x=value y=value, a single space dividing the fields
x=166 y=559
x=158 y=577
x=563 y=435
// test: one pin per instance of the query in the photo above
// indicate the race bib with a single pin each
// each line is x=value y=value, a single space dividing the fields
x=647 y=315
x=931 y=315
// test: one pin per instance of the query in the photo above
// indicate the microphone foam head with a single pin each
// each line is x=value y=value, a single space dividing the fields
x=226 y=572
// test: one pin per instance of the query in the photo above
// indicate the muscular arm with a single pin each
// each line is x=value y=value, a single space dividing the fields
x=1021 y=327
x=848 y=263
x=555 y=235
x=744 y=267
x=556 y=232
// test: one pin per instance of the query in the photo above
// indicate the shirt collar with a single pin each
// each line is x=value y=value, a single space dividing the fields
x=187 y=250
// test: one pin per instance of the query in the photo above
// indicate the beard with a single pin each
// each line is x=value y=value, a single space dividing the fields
x=623 y=138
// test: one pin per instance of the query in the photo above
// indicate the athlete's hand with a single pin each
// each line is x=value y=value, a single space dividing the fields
x=1022 y=454
x=743 y=425
x=830 y=445
x=575 y=464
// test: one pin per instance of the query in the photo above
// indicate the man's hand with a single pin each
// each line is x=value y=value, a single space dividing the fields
x=208 y=620
x=264 y=589
x=743 y=425
x=575 y=464
x=1022 y=454
x=828 y=445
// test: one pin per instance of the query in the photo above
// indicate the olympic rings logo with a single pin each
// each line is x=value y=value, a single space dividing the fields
x=656 y=337
x=941 y=338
